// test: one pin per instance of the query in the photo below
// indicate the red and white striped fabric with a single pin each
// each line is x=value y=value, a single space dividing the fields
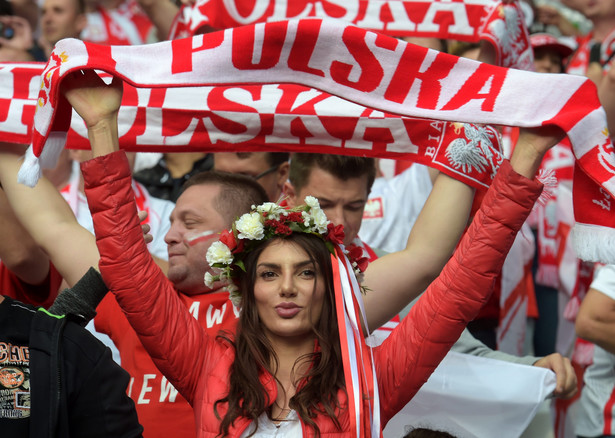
x=502 y=24
x=514 y=294
x=370 y=70
x=127 y=24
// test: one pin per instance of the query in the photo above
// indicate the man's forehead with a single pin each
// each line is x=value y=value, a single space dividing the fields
x=60 y=3
x=325 y=185
x=197 y=197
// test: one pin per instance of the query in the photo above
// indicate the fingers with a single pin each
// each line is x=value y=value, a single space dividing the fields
x=566 y=379
x=145 y=228
x=570 y=386
x=542 y=138
x=90 y=96
x=148 y=238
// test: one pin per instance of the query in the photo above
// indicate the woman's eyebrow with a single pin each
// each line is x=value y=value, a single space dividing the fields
x=278 y=266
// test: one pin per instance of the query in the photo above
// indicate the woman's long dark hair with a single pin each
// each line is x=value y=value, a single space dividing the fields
x=318 y=391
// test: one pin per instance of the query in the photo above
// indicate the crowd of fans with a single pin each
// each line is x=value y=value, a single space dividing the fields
x=190 y=197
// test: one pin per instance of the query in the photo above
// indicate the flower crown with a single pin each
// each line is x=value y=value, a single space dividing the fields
x=267 y=221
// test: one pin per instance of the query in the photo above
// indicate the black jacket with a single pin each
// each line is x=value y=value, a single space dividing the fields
x=77 y=390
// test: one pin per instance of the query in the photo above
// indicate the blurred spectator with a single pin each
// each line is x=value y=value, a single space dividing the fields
x=16 y=40
x=165 y=179
x=162 y=14
x=28 y=9
x=601 y=13
x=464 y=49
x=549 y=53
x=420 y=432
x=60 y=19
x=118 y=22
x=555 y=18
x=269 y=169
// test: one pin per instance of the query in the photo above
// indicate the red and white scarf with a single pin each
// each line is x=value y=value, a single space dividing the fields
x=368 y=70
x=500 y=24
x=285 y=117
x=558 y=161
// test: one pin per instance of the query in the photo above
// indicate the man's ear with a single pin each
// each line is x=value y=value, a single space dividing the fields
x=282 y=175
x=291 y=195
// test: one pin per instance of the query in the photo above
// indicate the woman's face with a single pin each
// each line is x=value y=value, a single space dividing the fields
x=547 y=60
x=288 y=291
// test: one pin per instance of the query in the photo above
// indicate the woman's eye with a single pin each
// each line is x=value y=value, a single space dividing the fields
x=308 y=273
x=266 y=274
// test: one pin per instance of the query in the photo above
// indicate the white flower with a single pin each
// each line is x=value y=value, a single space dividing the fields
x=250 y=227
x=320 y=220
x=218 y=252
x=312 y=202
x=234 y=295
x=209 y=280
x=272 y=209
x=306 y=218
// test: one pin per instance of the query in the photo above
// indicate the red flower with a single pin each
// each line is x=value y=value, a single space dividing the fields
x=283 y=229
x=239 y=248
x=270 y=223
x=362 y=263
x=355 y=255
x=354 y=252
x=228 y=238
x=279 y=227
x=295 y=216
x=335 y=233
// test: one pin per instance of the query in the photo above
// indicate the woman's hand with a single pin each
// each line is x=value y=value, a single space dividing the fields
x=98 y=104
x=531 y=147
x=93 y=100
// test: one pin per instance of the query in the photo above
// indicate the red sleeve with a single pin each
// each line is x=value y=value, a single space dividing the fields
x=407 y=358
x=40 y=295
x=171 y=336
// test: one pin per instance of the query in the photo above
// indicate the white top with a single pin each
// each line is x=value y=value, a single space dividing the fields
x=598 y=395
x=290 y=427
x=393 y=206
x=604 y=281
x=159 y=212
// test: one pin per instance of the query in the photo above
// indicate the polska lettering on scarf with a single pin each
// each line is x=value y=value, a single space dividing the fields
x=402 y=17
x=356 y=65
x=286 y=116
x=502 y=24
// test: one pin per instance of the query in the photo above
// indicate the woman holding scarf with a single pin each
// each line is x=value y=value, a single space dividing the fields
x=298 y=364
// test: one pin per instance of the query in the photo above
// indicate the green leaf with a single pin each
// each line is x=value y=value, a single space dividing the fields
x=330 y=247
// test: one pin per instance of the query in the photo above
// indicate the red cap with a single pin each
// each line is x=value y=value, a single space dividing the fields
x=549 y=41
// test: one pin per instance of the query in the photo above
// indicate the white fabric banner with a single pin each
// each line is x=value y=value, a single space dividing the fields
x=476 y=397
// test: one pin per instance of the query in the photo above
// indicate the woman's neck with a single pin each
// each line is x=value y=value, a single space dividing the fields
x=290 y=370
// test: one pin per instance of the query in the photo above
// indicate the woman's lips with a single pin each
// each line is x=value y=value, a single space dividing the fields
x=287 y=310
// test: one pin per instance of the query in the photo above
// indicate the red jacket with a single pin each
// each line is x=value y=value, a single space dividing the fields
x=198 y=364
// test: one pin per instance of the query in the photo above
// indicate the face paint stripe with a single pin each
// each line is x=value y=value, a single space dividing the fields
x=191 y=239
